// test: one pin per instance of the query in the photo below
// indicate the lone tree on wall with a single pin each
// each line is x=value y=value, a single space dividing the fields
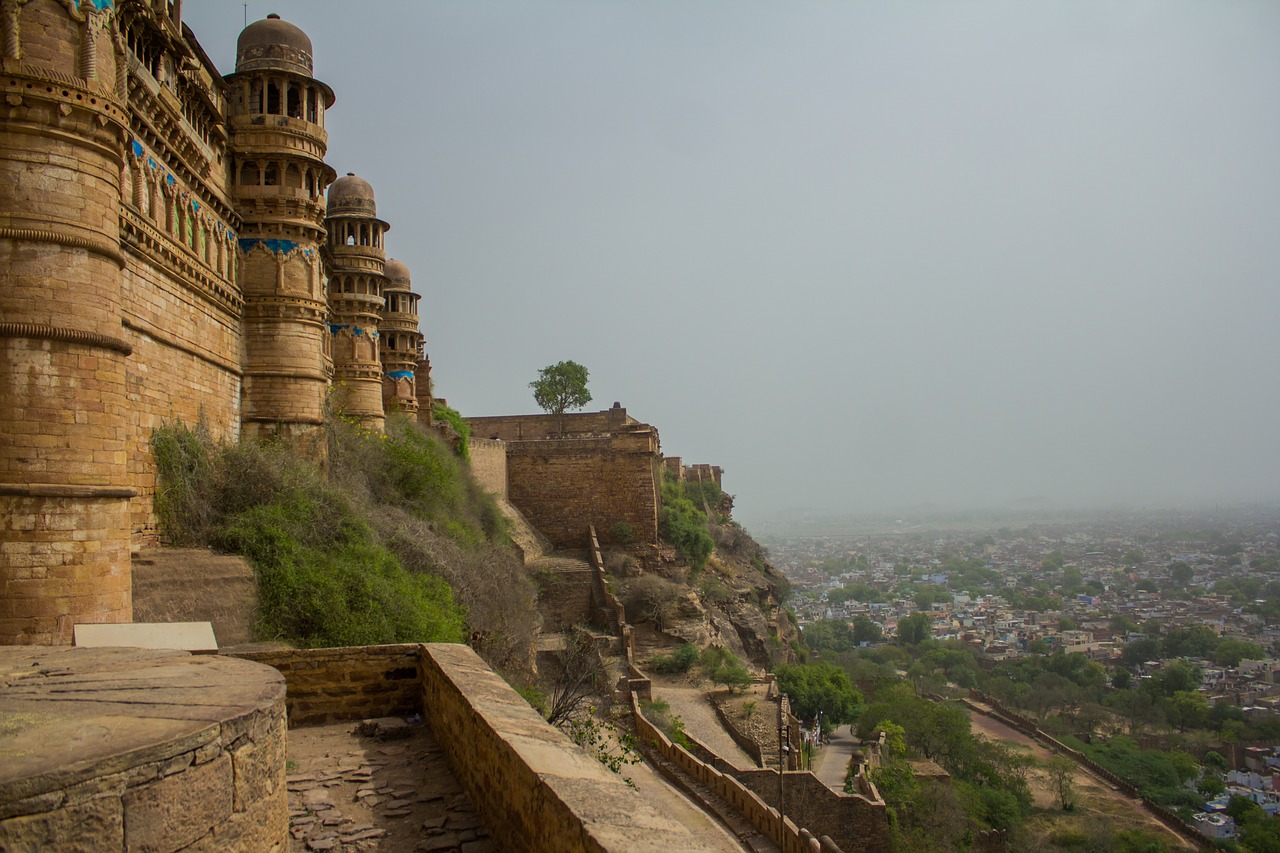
x=560 y=387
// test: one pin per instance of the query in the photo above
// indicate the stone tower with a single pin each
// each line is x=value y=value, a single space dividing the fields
x=400 y=340
x=64 y=480
x=277 y=114
x=357 y=257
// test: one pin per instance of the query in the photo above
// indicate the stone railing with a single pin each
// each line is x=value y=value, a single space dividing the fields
x=724 y=786
x=607 y=603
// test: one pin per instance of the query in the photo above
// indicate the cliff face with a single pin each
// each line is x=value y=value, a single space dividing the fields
x=735 y=602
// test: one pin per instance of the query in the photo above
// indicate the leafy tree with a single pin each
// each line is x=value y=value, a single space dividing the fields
x=1198 y=641
x=829 y=635
x=1139 y=651
x=915 y=629
x=1231 y=651
x=1181 y=573
x=560 y=387
x=1176 y=677
x=820 y=687
x=1061 y=772
x=1210 y=785
x=1187 y=708
x=866 y=631
x=1216 y=761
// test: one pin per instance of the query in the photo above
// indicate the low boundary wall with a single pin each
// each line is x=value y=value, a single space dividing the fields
x=350 y=683
x=760 y=815
x=1030 y=729
x=537 y=791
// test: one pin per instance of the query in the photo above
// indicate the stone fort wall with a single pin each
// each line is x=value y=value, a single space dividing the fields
x=535 y=427
x=160 y=262
x=564 y=485
x=489 y=465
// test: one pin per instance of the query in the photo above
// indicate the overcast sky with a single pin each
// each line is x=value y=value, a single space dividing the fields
x=860 y=254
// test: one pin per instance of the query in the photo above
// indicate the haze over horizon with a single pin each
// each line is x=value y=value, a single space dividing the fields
x=860 y=254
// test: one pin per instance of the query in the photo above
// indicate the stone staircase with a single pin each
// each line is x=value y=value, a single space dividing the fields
x=196 y=585
x=564 y=590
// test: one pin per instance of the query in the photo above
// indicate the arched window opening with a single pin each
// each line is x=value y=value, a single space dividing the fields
x=311 y=104
x=271 y=175
x=273 y=99
x=249 y=176
x=293 y=177
x=294 y=102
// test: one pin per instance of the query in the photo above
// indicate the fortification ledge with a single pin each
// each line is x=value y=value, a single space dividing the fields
x=115 y=749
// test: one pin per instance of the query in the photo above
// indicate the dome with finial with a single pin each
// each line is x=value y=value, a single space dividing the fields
x=353 y=196
x=273 y=45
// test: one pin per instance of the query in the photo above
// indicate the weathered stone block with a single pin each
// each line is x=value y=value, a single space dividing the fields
x=169 y=814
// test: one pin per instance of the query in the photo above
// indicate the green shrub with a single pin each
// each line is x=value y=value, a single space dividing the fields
x=455 y=421
x=622 y=533
x=328 y=575
x=684 y=526
x=684 y=657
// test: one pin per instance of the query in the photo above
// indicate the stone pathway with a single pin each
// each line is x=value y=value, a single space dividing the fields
x=700 y=720
x=832 y=762
x=389 y=790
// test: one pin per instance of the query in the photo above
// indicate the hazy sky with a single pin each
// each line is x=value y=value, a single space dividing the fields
x=860 y=254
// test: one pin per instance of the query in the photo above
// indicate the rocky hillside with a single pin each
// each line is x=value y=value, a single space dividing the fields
x=735 y=601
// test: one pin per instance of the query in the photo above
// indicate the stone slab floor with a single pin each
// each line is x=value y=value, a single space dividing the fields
x=348 y=793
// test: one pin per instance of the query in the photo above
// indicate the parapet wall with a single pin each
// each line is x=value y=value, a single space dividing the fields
x=738 y=795
x=564 y=485
x=853 y=821
x=534 y=427
x=351 y=683
x=537 y=791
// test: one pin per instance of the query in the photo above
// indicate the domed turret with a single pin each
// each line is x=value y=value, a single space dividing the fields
x=352 y=196
x=273 y=45
x=356 y=263
x=277 y=114
x=397 y=275
x=400 y=340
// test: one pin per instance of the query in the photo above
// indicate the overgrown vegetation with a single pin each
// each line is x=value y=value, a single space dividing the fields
x=683 y=524
x=460 y=427
x=395 y=544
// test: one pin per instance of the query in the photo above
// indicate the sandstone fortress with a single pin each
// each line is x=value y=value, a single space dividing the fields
x=173 y=247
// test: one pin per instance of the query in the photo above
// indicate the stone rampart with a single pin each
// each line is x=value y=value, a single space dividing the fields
x=995 y=709
x=489 y=465
x=855 y=822
x=329 y=685
x=564 y=485
x=537 y=791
